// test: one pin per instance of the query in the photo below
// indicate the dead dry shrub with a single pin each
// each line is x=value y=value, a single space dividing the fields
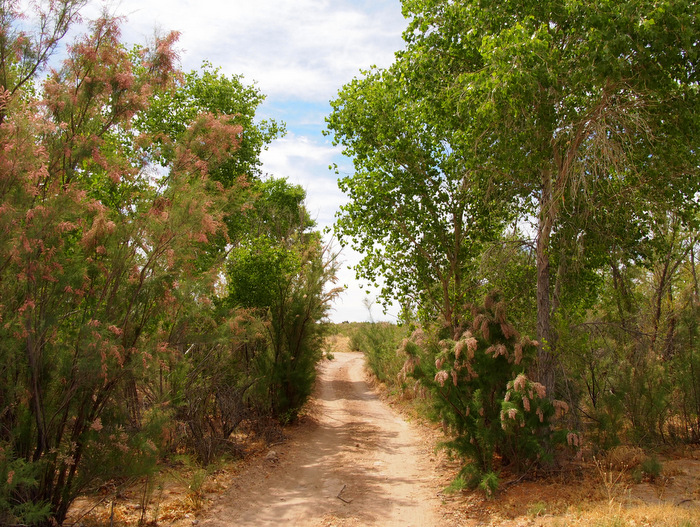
x=624 y=457
x=264 y=428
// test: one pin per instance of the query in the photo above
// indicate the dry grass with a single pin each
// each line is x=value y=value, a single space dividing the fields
x=599 y=493
x=176 y=494
x=616 y=515
x=337 y=344
x=624 y=457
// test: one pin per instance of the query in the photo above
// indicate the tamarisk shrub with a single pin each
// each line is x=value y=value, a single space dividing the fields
x=96 y=253
x=481 y=393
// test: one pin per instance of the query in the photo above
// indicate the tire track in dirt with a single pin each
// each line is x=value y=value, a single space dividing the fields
x=354 y=462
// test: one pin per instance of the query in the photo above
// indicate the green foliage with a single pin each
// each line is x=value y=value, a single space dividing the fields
x=296 y=330
x=579 y=117
x=259 y=273
x=644 y=394
x=380 y=341
x=649 y=469
x=419 y=208
x=481 y=393
x=489 y=484
x=280 y=272
x=536 y=509
x=685 y=400
x=18 y=479
x=227 y=99
x=459 y=484
x=116 y=331
x=508 y=265
x=210 y=379
x=208 y=90
x=278 y=211
x=636 y=348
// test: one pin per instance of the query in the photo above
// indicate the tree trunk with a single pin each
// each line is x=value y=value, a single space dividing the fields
x=34 y=360
x=623 y=296
x=545 y=360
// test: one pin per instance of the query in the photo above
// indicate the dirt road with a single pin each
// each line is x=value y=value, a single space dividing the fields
x=356 y=462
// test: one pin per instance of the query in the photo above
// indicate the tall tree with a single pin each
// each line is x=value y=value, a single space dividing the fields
x=419 y=207
x=553 y=100
x=96 y=255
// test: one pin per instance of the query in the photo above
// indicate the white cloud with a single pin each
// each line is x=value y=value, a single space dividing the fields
x=303 y=49
x=305 y=162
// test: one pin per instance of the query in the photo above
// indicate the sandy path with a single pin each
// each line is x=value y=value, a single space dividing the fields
x=354 y=447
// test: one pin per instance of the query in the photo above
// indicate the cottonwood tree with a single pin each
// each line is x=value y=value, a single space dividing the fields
x=556 y=104
x=420 y=209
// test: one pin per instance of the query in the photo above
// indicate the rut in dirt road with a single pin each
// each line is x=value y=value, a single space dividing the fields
x=356 y=463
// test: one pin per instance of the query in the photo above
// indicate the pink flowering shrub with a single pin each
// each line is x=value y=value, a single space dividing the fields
x=526 y=417
x=481 y=393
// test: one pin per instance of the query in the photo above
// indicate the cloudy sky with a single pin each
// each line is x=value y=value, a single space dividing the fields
x=299 y=53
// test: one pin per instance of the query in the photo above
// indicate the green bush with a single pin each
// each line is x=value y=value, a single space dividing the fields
x=649 y=469
x=17 y=478
x=285 y=287
x=644 y=389
x=379 y=341
x=684 y=374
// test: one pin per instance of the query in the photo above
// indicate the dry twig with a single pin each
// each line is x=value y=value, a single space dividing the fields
x=341 y=498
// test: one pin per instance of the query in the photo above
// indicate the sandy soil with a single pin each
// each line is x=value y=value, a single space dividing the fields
x=356 y=462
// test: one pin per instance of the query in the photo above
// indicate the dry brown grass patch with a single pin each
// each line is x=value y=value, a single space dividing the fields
x=624 y=457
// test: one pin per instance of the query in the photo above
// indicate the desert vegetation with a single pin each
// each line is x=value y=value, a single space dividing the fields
x=526 y=190
x=158 y=293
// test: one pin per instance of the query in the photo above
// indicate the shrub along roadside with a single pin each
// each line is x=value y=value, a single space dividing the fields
x=380 y=341
x=477 y=385
x=480 y=391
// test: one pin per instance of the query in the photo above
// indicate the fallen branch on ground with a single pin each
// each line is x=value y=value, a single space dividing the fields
x=341 y=498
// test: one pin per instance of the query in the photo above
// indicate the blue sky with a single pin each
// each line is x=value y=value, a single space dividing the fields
x=299 y=53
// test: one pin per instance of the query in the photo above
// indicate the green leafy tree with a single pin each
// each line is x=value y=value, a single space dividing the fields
x=419 y=208
x=281 y=272
x=562 y=106
x=230 y=100
x=208 y=90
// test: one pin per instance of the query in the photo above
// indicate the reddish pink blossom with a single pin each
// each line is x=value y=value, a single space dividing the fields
x=441 y=377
